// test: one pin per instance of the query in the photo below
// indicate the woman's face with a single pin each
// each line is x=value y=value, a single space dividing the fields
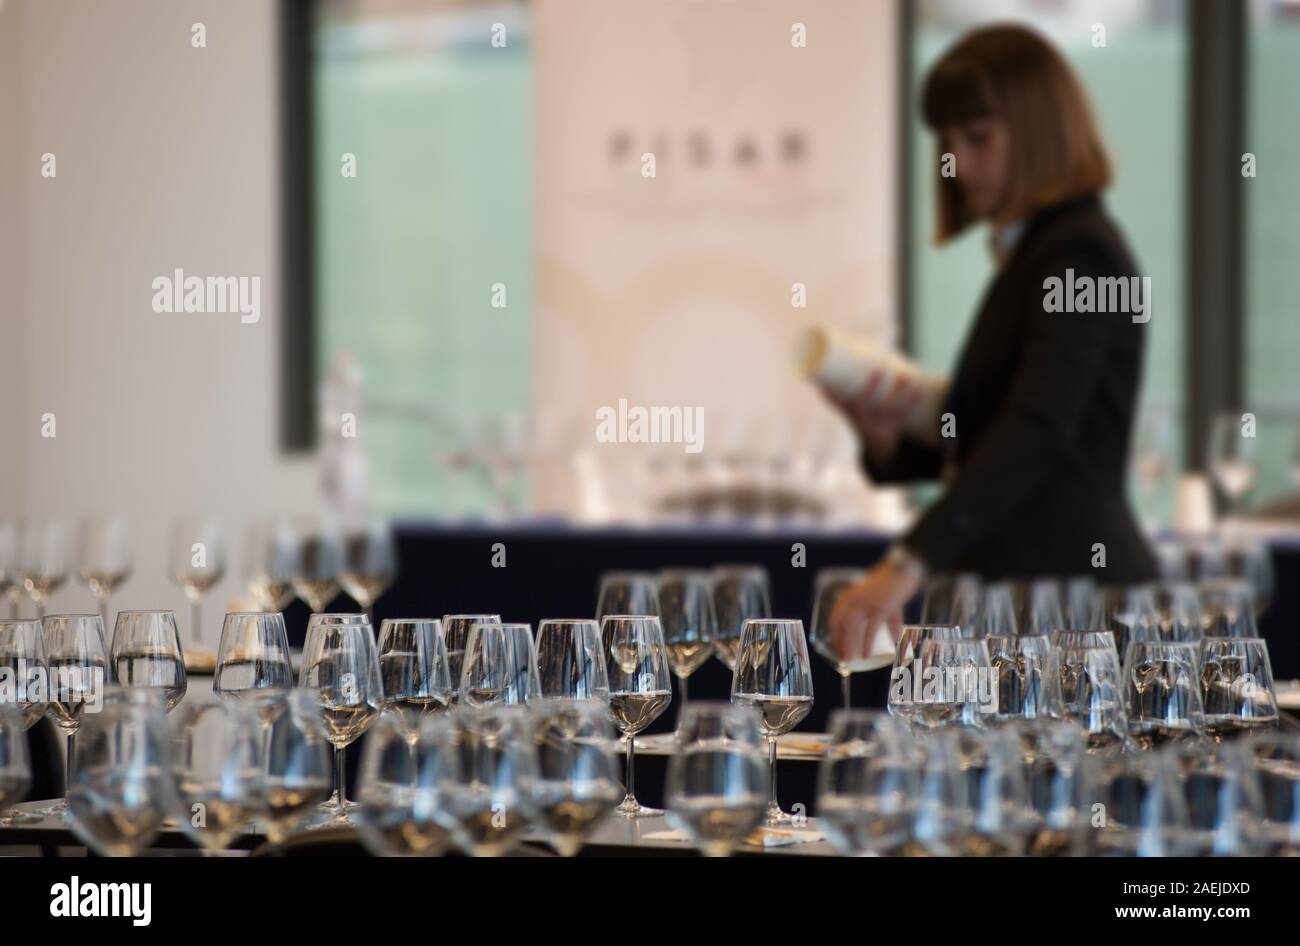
x=981 y=150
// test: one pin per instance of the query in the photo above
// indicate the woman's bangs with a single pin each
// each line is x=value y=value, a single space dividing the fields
x=957 y=91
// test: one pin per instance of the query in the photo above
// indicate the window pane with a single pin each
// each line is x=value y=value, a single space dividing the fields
x=1136 y=82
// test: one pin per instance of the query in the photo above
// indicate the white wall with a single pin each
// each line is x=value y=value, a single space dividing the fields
x=166 y=157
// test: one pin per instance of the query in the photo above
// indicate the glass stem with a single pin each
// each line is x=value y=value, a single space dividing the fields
x=682 y=710
x=370 y=614
x=772 y=803
x=196 y=613
x=844 y=688
x=103 y=613
x=40 y=609
x=341 y=773
x=631 y=788
x=72 y=755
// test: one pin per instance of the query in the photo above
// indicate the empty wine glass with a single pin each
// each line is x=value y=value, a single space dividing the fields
x=941 y=814
x=867 y=784
x=1178 y=611
x=339 y=661
x=716 y=789
x=78 y=662
x=577 y=770
x=43 y=562
x=253 y=663
x=198 y=562
x=906 y=695
x=271 y=563
x=950 y=598
x=1088 y=676
x=626 y=593
x=11 y=579
x=299 y=768
x=1146 y=814
x=1162 y=690
x=15 y=763
x=996 y=615
x=320 y=562
x=146 y=653
x=1222 y=795
x=121 y=792
x=500 y=666
x=1002 y=818
x=1275 y=757
x=640 y=688
x=216 y=768
x=689 y=623
x=1227 y=609
x=957 y=683
x=827 y=587
x=1053 y=751
x=1236 y=686
x=455 y=631
x=1129 y=612
x=740 y=593
x=400 y=787
x=23 y=664
x=1038 y=606
x=104 y=557
x=571 y=660
x=1026 y=686
x=414 y=672
x=1079 y=599
x=369 y=564
x=491 y=795
x=773 y=674
x=1231 y=457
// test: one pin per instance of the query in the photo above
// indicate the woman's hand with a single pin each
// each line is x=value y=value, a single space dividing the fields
x=878 y=596
x=879 y=411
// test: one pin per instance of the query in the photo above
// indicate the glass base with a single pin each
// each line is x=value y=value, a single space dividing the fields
x=55 y=810
x=631 y=808
x=775 y=817
x=10 y=818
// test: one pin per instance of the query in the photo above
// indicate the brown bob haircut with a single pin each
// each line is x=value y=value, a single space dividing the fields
x=1012 y=74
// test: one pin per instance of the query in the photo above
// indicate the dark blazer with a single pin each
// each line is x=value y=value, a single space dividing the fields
x=1043 y=404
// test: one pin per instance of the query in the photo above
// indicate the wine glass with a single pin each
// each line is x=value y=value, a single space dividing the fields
x=455 y=630
x=941 y=814
x=906 y=691
x=1153 y=451
x=298 y=768
x=1178 y=611
x=253 y=663
x=146 y=653
x=1226 y=608
x=320 y=562
x=78 y=662
x=867 y=784
x=500 y=666
x=1038 y=606
x=626 y=593
x=689 y=623
x=827 y=587
x=11 y=580
x=640 y=688
x=271 y=563
x=23 y=664
x=1079 y=599
x=996 y=615
x=1146 y=814
x=1252 y=562
x=1162 y=690
x=773 y=674
x=950 y=599
x=571 y=661
x=15 y=764
x=1026 y=687
x=104 y=557
x=1087 y=671
x=414 y=672
x=491 y=794
x=44 y=562
x=369 y=564
x=1002 y=817
x=400 y=788
x=216 y=769
x=716 y=789
x=577 y=770
x=965 y=683
x=1225 y=810
x=1231 y=457
x=1275 y=757
x=1236 y=687
x=740 y=592
x=198 y=562
x=1053 y=751
x=121 y=792
x=1129 y=612
x=340 y=662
